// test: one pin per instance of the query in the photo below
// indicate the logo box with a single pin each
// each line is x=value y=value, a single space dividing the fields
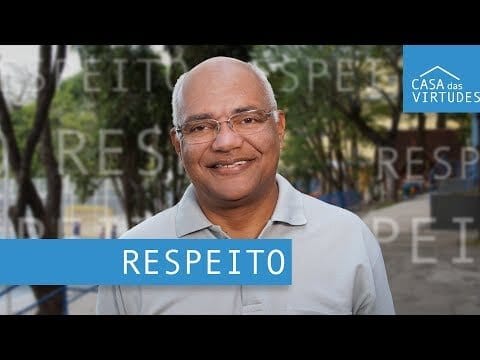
x=441 y=78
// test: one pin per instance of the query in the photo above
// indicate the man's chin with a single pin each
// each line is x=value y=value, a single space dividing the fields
x=231 y=196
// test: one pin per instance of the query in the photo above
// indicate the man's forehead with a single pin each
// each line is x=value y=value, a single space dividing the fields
x=208 y=92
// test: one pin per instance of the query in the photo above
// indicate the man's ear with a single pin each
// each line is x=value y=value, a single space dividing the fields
x=175 y=142
x=281 y=124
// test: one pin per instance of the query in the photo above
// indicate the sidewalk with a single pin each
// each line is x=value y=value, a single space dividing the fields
x=84 y=305
x=443 y=287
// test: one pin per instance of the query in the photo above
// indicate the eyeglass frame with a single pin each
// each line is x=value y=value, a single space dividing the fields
x=178 y=129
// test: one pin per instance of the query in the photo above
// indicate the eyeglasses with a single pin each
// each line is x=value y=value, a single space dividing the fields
x=206 y=130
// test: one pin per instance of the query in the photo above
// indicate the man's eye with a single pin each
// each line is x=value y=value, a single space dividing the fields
x=199 y=128
x=249 y=120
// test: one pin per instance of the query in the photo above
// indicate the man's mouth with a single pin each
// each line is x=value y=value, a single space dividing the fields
x=230 y=166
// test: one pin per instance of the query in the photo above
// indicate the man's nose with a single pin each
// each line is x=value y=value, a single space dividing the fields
x=226 y=139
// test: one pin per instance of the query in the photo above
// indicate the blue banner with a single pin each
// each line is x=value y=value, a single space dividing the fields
x=146 y=262
x=441 y=78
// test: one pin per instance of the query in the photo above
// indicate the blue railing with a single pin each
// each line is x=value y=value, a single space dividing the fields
x=65 y=289
x=7 y=290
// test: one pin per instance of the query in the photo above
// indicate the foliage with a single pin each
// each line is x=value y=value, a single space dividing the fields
x=307 y=83
x=132 y=97
x=75 y=124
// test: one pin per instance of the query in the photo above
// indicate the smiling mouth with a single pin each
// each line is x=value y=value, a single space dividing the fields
x=229 y=166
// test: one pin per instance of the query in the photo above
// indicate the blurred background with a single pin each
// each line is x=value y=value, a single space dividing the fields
x=86 y=153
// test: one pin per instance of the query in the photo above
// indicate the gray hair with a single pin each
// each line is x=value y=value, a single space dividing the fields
x=177 y=91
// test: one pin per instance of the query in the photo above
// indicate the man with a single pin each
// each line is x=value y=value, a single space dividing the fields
x=228 y=134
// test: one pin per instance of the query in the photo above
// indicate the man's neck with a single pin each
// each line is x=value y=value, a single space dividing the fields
x=246 y=221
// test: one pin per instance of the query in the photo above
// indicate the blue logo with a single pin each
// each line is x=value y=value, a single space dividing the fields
x=441 y=78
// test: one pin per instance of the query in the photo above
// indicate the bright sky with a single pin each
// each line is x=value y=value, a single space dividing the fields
x=19 y=62
x=26 y=56
x=18 y=68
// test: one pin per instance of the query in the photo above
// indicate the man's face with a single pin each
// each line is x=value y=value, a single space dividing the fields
x=231 y=168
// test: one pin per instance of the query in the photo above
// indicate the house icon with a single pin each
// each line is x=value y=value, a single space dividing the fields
x=438 y=67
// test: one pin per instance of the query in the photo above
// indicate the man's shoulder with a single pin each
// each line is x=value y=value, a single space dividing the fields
x=318 y=209
x=346 y=225
x=161 y=225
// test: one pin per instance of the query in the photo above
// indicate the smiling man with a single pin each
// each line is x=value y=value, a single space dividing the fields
x=228 y=134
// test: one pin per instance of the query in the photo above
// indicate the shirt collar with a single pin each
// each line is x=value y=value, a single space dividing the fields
x=190 y=217
x=289 y=209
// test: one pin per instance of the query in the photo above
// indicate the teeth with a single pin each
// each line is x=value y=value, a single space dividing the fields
x=238 y=163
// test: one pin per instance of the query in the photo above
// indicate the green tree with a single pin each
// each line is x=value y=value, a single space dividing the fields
x=21 y=154
x=335 y=96
x=77 y=136
x=130 y=93
x=318 y=134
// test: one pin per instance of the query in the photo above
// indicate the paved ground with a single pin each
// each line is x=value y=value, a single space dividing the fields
x=443 y=287
x=84 y=305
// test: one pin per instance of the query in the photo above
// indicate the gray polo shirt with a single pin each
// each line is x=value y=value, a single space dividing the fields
x=337 y=265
